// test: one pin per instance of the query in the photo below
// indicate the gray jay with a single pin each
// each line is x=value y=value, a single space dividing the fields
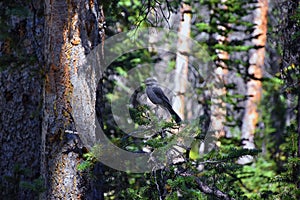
x=157 y=97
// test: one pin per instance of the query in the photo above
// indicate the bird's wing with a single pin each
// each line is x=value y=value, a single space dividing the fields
x=158 y=92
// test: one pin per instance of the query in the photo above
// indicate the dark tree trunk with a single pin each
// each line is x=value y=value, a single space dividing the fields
x=291 y=65
x=42 y=44
x=20 y=99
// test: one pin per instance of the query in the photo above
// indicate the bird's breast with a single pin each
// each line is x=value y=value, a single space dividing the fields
x=153 y=97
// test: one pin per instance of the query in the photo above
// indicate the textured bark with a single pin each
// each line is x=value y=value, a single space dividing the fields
x=71 y=31
x=20 y=99
x=37 y=130
x=254 y=85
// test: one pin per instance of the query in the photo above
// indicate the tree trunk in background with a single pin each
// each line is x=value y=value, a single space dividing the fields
x=290 y=68
x=218 y=108
x=182 y=59
x=217 y=91
x=71 y=31
x=20 y=98
x=254 y=85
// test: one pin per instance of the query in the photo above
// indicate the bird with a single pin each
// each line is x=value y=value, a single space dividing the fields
x=157 y=97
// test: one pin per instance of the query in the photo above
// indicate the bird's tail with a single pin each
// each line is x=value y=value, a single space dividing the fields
x=175 y=116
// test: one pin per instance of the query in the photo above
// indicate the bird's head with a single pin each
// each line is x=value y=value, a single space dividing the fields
x=150 y=81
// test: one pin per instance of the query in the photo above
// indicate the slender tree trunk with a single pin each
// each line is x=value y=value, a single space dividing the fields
x=218 y=108
x=254 y=85
x=182 y=59
x=217 y=91
x=71 y=31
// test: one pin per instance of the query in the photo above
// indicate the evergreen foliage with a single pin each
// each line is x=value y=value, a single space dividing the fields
x=269 y=177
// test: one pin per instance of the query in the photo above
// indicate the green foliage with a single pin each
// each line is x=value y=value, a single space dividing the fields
x=184 y=186
x=270 y=176
x=257 y=178
x=291 y=75
x=290 y=163
x=89 y=160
